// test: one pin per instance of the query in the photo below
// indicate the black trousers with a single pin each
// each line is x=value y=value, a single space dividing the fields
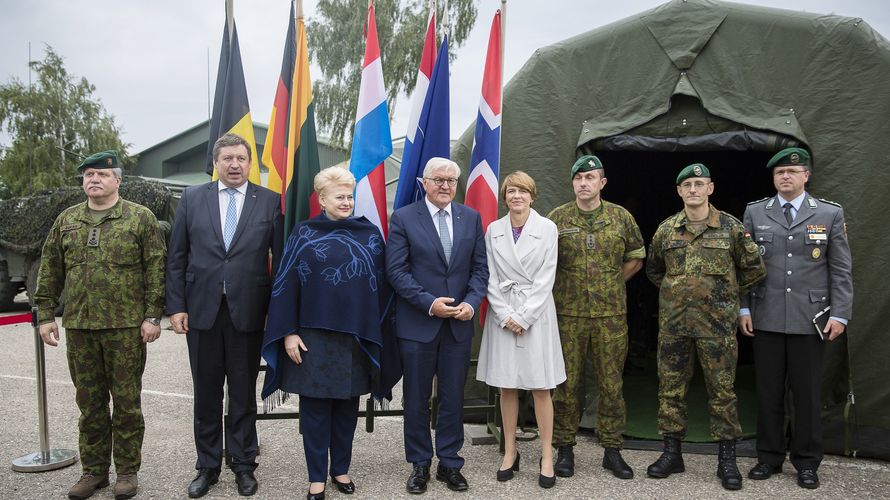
x=798 y=359
x=223 y=355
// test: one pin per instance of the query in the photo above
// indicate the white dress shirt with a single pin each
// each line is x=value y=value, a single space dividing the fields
x=224 y=203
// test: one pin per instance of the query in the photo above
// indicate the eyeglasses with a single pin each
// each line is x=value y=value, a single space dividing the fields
x=698 y=185
x=438 y=181
x=779 y=172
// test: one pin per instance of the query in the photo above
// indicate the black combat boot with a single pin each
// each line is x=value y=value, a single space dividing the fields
x=670 y=462
x=565 y=461
x=612 y=461
x=727 y=470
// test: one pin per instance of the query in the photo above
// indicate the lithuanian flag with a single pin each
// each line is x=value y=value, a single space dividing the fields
x=291 y=151
x=231 y=111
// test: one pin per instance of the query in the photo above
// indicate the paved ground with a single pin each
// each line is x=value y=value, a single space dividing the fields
x=378 y=466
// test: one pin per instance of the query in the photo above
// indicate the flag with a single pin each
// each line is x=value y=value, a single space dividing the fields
x=372 y=142
x=432 y=137
x=231 y=111
x=291 y=151
x=482 y=183
x=427 y=61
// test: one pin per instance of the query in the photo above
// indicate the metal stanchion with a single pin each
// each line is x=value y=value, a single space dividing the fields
x=45 y=459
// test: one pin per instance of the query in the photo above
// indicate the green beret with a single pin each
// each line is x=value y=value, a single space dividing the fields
x=104 y=159
x=694 y=170
x=789 y=156
x=586 y=163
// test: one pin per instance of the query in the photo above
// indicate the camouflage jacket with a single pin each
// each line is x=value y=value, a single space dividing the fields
x=701 y=273
x=112 y=271
x=589 y=280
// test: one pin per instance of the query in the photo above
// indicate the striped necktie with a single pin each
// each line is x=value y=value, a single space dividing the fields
x=444 y=237
x=231 y=217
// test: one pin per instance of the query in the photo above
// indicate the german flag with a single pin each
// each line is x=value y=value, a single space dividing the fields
x=291 y=151
x=231 y=111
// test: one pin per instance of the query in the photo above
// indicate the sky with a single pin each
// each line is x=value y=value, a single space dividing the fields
x=148 y=59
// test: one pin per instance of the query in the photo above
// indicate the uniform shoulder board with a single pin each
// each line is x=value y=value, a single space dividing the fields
x=759 y=201
x=731 y=217
x=830 y=202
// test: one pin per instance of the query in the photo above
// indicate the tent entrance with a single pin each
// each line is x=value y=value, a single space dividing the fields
x=643 y=181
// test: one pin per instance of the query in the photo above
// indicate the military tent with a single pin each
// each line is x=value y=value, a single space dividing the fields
x=728 y=85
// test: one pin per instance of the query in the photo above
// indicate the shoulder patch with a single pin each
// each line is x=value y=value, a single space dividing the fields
x=830 y=202
x=759 y=201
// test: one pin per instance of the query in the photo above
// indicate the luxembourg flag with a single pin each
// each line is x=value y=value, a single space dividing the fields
x=427 y=62
x=372 y=142
x=482 y=183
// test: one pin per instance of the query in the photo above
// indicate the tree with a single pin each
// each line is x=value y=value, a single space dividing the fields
x=336 y=43
x=53 y=125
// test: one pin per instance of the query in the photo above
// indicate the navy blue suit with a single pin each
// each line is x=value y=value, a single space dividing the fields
x=419 y=273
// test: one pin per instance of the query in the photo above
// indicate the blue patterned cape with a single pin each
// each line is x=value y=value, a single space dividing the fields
x=332 y=277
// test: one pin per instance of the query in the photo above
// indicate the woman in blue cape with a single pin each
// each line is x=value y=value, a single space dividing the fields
x=325 y=331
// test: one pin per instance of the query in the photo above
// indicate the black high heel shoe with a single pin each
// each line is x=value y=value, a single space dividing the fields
x=345 y=488
x=315 y=496
x=545 y=481
x=507 y=474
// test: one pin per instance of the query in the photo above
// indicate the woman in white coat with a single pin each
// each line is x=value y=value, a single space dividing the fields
x=520 y=341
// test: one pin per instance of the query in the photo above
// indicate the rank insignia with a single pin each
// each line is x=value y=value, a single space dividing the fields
x=817 y=253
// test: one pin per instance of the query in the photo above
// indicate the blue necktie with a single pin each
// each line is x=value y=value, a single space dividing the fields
x=231 y=217
x=444 y=237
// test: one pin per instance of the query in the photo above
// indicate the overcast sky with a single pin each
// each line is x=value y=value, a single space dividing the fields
x=149 y=58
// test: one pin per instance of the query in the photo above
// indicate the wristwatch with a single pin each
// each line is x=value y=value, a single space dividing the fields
x=154 y=321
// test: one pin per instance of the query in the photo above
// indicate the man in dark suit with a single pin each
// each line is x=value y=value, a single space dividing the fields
x=435 y=261
x=804 y=245
x=218 y=289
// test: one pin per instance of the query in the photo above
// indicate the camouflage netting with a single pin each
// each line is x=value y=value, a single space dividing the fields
x=26 y=221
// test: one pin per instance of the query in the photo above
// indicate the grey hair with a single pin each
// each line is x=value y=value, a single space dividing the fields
x=437 y=162
x=118 y=172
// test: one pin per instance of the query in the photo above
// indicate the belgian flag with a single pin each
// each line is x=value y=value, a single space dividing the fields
x=291 y=151
x=231 y=111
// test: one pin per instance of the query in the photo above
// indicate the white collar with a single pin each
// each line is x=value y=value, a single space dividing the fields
x=434 y=209
x=241 y=189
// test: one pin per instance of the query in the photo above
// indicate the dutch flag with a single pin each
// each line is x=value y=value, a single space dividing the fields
x=372 y=142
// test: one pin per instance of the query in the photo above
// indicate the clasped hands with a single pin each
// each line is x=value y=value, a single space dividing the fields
x=441 y=309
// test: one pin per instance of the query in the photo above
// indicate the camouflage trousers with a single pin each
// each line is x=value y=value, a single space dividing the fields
x=604 y=342
x=717 y=355
x=108 y=364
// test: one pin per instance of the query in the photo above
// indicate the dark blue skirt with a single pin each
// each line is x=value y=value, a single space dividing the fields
x=335 y=367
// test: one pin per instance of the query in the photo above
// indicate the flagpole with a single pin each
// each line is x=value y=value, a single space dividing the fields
x=502 y=44
x=299 y=9
x=230 y=18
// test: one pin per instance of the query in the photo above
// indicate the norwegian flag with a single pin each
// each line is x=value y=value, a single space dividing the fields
x=482 y=184
x=372 y=142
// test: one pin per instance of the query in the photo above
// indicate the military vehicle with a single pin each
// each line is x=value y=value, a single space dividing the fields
x=27 y=220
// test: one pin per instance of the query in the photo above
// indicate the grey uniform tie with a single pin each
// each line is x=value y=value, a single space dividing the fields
x=444 y=237
x=788 y=216
x=231 y=217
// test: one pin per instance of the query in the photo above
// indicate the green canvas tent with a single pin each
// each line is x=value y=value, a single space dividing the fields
x=728 y=85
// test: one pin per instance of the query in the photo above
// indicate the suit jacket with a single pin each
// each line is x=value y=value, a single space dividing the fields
x=808 y=265
x=418 y=272
x=197 y=261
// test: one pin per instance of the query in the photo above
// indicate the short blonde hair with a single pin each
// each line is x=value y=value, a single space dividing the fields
x=333 y=176
x=521 y=180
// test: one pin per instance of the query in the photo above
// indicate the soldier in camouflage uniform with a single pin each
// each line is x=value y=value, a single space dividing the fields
x=600 y=247
x=701 y=259
x=108 y=254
